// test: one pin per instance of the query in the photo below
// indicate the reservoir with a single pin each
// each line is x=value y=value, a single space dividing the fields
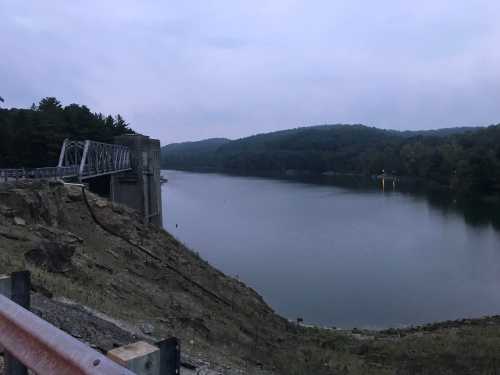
x=341 y=255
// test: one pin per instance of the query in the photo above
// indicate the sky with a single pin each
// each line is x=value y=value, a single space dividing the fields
x=188 y=70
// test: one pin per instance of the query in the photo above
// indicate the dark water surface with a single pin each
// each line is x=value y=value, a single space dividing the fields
x=339 y=256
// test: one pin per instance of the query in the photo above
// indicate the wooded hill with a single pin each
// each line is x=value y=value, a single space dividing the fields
x=190 y=155
x=33 y=137
x=465 y=159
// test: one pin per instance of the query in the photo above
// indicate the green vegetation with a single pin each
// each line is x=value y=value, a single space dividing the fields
x=463 y=159
x=188 y=155
x=33 y=137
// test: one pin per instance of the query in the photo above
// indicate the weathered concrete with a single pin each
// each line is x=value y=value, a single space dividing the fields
x=140 y=188
x=140 y=357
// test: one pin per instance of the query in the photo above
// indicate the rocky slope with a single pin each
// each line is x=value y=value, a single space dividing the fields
x=106 y=278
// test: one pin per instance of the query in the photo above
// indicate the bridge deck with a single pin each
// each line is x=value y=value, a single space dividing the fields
x=78 y=159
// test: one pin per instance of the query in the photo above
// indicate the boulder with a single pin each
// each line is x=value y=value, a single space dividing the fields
x=19 y=221
x=51 y=256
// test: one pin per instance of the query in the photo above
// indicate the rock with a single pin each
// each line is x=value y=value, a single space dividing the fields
x=147 y=328
x=51 y=256
x=19 y=221
x=13 y=234
x=117 y=208
x=54 y=234
x=7 y=211
x=101 y=203
x=37 y=288
x=75 y=194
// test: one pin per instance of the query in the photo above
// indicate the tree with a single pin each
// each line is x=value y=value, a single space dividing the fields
x=461 y=159
x=49 y=104
x=120 y=123
x=33 y=137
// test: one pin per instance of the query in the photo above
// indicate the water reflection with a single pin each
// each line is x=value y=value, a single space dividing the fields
x=339 y=251
x=474 y=211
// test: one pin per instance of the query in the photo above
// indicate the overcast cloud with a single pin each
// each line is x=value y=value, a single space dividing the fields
x=187 y=70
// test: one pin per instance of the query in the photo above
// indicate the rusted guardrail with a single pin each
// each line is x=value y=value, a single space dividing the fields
x=45 y=349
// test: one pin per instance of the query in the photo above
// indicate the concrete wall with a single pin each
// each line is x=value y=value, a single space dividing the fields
x=140 y=188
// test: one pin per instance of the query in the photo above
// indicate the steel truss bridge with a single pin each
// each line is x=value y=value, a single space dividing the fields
x=80 y=160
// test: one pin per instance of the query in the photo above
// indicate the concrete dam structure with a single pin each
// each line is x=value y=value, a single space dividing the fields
x=140 y=187
x=126 y=171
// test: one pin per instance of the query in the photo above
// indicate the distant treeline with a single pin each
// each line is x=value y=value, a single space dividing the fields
x=33 y=137
x=464 y=159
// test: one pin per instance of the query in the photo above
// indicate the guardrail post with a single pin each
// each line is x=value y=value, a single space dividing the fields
x=170 y=356
x=21 y=286
x=17 y=288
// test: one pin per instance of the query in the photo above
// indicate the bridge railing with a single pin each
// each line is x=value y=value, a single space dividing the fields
x=95 y=158
x=82 y=159
x=38 y=173
x=10 y=174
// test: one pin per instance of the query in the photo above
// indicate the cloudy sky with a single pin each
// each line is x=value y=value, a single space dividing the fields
x=187 y=70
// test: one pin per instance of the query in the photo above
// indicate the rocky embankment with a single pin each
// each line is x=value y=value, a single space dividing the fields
x=106 y=278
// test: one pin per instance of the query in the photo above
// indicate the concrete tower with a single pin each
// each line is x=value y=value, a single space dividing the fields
x=140 y=188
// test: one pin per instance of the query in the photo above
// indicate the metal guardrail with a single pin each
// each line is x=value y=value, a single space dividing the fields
x=45 y=349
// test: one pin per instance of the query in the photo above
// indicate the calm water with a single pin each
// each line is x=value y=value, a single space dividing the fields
x=338 y=256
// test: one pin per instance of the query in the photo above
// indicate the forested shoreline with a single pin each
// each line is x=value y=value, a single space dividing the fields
x=462 y=159
x=465 y=160
x=33 y=137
